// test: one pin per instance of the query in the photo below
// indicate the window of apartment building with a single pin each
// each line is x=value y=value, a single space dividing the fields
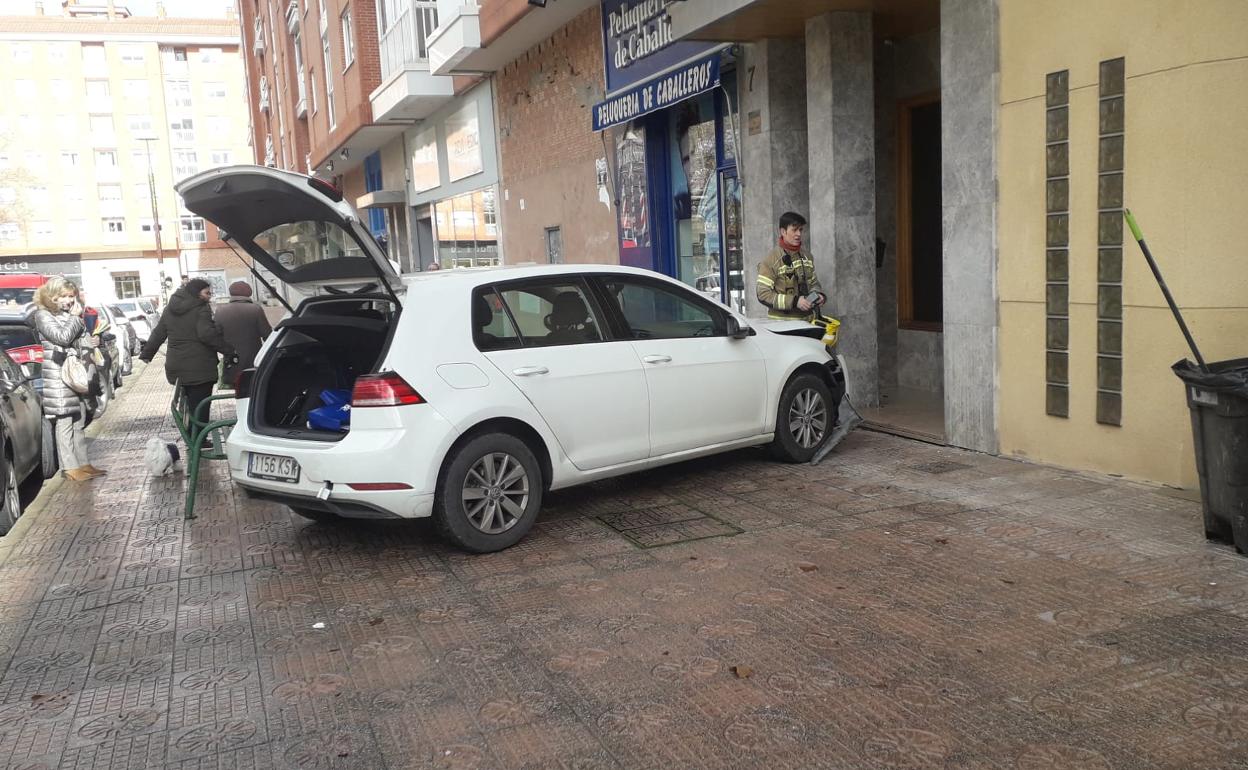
x=182 y=131
x=140 y=125
x=215 y=90
x=136 y=89
x=177 y=54
x=93 y=59
x=58 y=52
x=38 y=197
x=209 y=55
x=72 y=194
x=43 y=229
x=185 y=163
x=97 y=89
x=178 y=92
x=7 y=195
x=221 y=157
x=126 y=285
x=24 y=89
x=146 y=226
x=219 y=126
x=61 y=89
x=489 y=211
x=139 y=159
x=76 y=230
x=102 y=129
x=133 y=54
x=22 y=53
x=113 y=225
x=10 y=231
x=193 y=230
x=67 y=127
x=69 y=159
x=110 y=192
x=312 y=90
x=4 y=160
x=34 y=160
x=297 y=40
x=106 y=159
x=329 y=78
x=142 y=192
x=348 y=42
x=27 y=124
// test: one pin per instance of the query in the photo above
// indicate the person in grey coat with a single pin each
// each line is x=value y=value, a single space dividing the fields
x=57 y=320
x=194 y=342
x=245 y=327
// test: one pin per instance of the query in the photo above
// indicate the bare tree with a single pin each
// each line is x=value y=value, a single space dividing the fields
x=14 y=182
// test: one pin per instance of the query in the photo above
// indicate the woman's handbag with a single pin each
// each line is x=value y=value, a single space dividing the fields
x=76 y=375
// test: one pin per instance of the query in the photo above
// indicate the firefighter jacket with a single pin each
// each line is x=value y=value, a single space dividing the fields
x=782 y=278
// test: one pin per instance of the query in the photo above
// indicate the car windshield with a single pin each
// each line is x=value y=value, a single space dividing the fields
x=147 y=306
x=128 y=307
x=16 y=296
x=298 y=244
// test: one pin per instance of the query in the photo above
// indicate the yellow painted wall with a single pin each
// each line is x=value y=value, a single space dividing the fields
x=1186 y=182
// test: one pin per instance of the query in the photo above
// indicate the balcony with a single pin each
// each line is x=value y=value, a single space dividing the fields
x=409 y=91
x=264 y=93
x=257 y=44
x=455 y=47
x=292 y=17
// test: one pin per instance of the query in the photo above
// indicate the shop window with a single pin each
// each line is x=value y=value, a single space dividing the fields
x=464 y=238
x=554 y=245
x=695 y=189
x=126 y=285
x=920 y=301
x=633 y=210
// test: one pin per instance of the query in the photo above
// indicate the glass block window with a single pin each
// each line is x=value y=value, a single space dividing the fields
x=1109 y=234
x=1057 y=244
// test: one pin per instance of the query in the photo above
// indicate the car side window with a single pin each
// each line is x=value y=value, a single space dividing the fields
x=653 y=311
x=492 y=328
x=552 y=313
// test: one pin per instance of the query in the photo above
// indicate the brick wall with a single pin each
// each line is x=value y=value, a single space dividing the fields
x=548 y=151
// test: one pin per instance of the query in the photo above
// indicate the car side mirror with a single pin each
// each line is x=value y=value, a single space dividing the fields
x=738 y=330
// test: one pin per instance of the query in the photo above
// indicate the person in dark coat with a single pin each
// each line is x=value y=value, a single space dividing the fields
x=194 y=342
x=57 y=320
x=245 y=327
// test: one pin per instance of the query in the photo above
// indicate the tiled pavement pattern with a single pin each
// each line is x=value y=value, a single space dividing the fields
x=900 y=606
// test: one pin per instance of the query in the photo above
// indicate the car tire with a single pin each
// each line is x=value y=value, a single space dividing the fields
x=805 y=417
x=48 y=465
x=11 y=501
x=476 y=510
x=320 y=517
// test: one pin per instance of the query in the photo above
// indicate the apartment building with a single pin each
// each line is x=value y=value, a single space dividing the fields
x=108 y=112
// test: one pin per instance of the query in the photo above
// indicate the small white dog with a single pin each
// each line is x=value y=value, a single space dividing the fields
x=160 y=456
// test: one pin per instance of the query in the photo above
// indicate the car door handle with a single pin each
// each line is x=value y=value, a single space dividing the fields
x=529 y=371
x=657 y=359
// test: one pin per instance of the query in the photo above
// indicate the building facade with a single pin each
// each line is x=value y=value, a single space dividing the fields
x=109 y=112
x=964 y=167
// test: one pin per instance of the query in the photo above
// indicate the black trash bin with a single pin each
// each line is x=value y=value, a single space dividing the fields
x=1218 y=401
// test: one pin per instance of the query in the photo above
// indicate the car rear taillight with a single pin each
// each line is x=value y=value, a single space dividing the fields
x=242 y=383
x=385 y=389
x=27 y=354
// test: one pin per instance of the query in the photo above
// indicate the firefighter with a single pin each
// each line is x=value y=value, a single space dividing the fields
x=787 y=283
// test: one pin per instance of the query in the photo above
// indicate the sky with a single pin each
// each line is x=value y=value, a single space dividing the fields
x=200 y=9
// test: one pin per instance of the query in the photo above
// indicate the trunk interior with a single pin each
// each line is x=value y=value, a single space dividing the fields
x=325 y=348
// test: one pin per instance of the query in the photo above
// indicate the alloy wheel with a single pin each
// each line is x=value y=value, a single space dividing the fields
x=808 y=418
x=12 y=496
x=495 y=493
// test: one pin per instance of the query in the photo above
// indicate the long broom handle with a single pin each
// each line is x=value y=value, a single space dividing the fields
x=1152 y=263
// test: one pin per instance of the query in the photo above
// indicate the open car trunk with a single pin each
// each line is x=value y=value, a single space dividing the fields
x=325 y=347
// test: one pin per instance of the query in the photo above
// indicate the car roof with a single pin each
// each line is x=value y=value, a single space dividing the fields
x=480 y=276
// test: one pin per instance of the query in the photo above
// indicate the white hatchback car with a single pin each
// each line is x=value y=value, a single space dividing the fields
x=473 y=392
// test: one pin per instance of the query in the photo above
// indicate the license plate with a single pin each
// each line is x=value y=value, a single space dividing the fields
x=272 y=467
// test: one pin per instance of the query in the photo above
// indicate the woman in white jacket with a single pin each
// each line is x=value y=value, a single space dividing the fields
x=57 y=320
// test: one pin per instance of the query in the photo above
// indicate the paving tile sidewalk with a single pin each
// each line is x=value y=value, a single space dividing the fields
x=899 y=606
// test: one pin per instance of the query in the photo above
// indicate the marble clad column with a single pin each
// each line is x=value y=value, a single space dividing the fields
x=772 y=120
x=968 y=93
x=840 y=120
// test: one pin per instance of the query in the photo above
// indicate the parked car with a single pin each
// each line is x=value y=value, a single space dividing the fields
x=24 y=439
x=142 y=316
x=473 y=392
x=127 y=338
x=23 y=345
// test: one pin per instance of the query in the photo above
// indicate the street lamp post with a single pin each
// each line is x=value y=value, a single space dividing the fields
x=151 y=189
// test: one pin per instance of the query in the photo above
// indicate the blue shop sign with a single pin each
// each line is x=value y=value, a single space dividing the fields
x=664 y=91
x=637 y=41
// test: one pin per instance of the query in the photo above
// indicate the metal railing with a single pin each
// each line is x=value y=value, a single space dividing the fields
x=405 y=43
